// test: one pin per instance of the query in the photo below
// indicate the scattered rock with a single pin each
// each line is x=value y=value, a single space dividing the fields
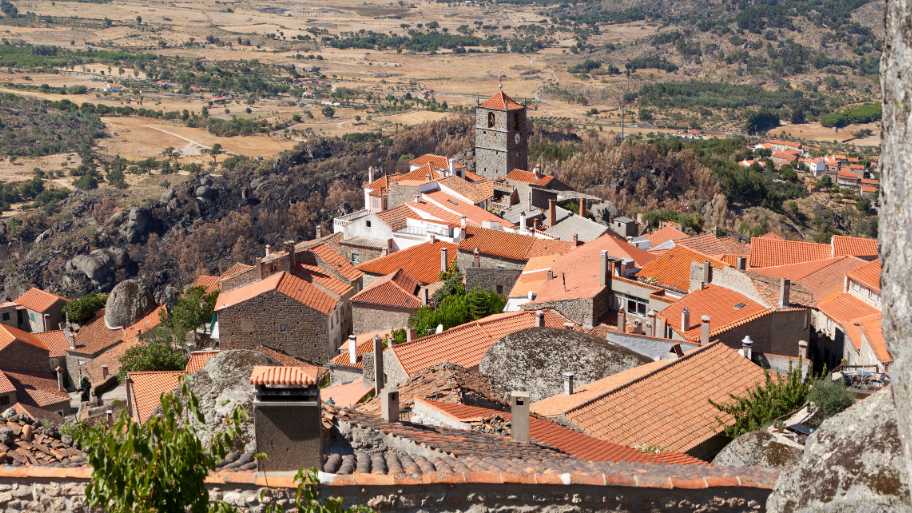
x=135 y=227
x=99 y=268
x=127 y=303
x=757 y=449
x=852 y=463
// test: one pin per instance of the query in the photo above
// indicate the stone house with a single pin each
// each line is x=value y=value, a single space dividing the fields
x=424 y=263
x=88 y=343
x=24 y=374
x=42 y=311
x=386 y=303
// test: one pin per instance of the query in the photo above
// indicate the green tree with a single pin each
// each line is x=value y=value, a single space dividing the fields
x=328 y=112
x=156 y=467
x=82 y=309
x=761 y=122
x=830 y=397
x=156 y=355
x=215 y=151
x=193 y=309
x=764 y=404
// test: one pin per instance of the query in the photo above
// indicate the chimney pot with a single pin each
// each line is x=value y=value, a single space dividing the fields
x=389 y=405
x=59 y=378
x=519 y=413
x=410 y=334
x=109 y=416
x=443 y=260
x=463 y=222
x=319 y=232
x=704 y=330
x=622 y=320
x=742 y=263
x=540 y=318
x=747 y=347
x=370 y=174
x=677 y=350
x=568 y=383
x=522 y=222
x=531 y=295
x=378 y=365
x=476 y=258
x=582 y=206
x=268 y=249
x=292 y=257
x=651 y=323
x=352 y=350
x=784 y=292
x=552 y=212
x=451 y=166
x=104 y=372
x=605 y=270
x=685 y=319
x=576 y=241
x=803 y=349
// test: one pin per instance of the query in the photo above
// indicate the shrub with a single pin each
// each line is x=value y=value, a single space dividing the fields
x=764 y=404
x=82 y=309
x=152 y=356
x=831 y=397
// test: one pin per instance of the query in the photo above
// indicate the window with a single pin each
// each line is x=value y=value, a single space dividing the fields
x=355 y=257
x=32 y=316
x=368 y=223
x=6 y=316
x=491 y=120
x=500 y=289
x=636 y=306
x=4 y=399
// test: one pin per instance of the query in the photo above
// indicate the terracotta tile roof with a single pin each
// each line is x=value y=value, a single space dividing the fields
x=711 y=245
x=364 y=343
x=286 y=284
x=723 y=306
x=845 y=309
x=872 y=329
x=325 y=281
x=770 y=252
x=476 y=192
x=149 y=322
x=6 y=386
x=533 y=275
x=36 y=389
x=869 y=188
x=9 y=335
x=436 y=161
x=269 y=375
x=565 y=440
x=421 y=262
x=236 y=269
x=421 y=175
x=788 y=155
x=474 y=215
x=855 y=246
x=38 y=300
x=111 y=360
x=521 y=175
x=37 y=414
x=577 y=274
x=206 y=282
x=665 y=234
x=445 y=382
x=500 y=101
x=820 y=278
x=467 y=344
x=147 y=388
x=430 y=212
x=95 y=336
x=396 y=217
x=672 y=270
x=669 y=408
x=336 y=260
x=512 y=246
x=198 y=360
x=395 y=290
x=848 y=175
x=348 y=394
x=867 y=275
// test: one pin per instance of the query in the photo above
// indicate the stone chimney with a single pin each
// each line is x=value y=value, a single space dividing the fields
x=685 y=319
x=742 y=263
x=552 y=212
x=443 y=260
x=287 y=426
x=604 y=269
x=651 y=323
x=352 y=350
x=268 y=249
x=289 y=247
x=622 y=320
x=318 y=232
x=59 y=371
x=803 y=349
x=433 y=238
x=379 y=378
x=582 y=206
x=370 y=174
x=539 y=318
x=522 y=222
x=519 y=413
x=568 y=383
x=704 y=330
x=660 y=327
x=104 y=372
x=747 y=346
x=784 y=292
x=389 y=405
x=476 y=258
x=537 y=172
x=410 y=334
x=263 y=269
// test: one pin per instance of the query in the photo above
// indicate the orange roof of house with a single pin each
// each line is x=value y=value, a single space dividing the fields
x=346 y=395
x=871 y=329
x=364 y=343
x=336 y=260
x=431 y=212
x=770 y=252
x=421 y=262
x=95 y=336
x=577 y=273
x=711 y=245
x=424 y=174
x=284 y=283
x=509 y=245
x=149 y=322
x=848 y=175
x=672 y=270
x=395 y=290
x=147 y=388
x=869 y=188
x=858 y=319
x=6 y=386
x=206 y=282
x=664 y=234
x=789 y=155
x=668 y=407
x=325 y=281
x=566 y=440
x=521 y=175
x=822 y=278
x=533 y=275
x=38 y=300
x=35 y=389
x=396 y=217
x=271 y=375
x=500 y=101
x=723 y=306
x=467 y=344
x=867 y=275
x=236 y=269
x=198 y=360
x=10 y=334
x=474 y=214
x=476 y=192
x=855 y=246
x=436 y=161
x=55 y=342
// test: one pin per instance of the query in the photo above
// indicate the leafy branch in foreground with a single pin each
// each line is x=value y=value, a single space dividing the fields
x=764 y=404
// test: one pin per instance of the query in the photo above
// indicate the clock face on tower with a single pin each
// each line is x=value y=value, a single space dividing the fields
x=516 y=138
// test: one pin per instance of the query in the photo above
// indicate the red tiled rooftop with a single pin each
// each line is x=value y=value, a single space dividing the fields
x=867 y=275
x=672 y=269
x=38 y=300
x=95 y=336
x=521 y=175
x=422 y=262
x=665 y=234
x=500 y=101
x=206 y=282
x=336 y=260
x=436 y=161
x=854 y=246
x=146 y=389
x=396 y=217
x=769 y=252
x=822 y=278
x=473 y=214
x=476 y=192
x=710 y=245
x=395 y=290
x=198 y=360
x=282 y=376
x=37 y=389
x=346 y=395
x=236 y=269
x=512 y=246
x=10 y=334
x=723 y=306
x=284 y=283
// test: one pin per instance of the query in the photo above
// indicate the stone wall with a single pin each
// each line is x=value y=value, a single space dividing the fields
x=277 y=321
x=466 y=259
x=24 y=357
x=239 y=280
x=579 y=311
x=500 y=281
x=368 y=318
x=777 y=333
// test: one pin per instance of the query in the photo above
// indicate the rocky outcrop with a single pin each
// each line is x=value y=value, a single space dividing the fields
x=535 y=359
x=852 y=463
x=127 y=303
x=134 y=225
x=96 y=270
x=758 y=449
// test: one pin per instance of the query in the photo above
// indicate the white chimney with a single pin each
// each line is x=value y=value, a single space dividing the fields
x=747 y=346
x=352 y=350
x=651 y=323
x=622 y=320
x=439 y=329
x=519 y=413
x=803 y=349
x=568 y=383
x=605 y=269
x=59 y=378
x=444 y=262
x=463 y=222
x=685 y=319
x=370 y=174
x=531 y=295
x=539 y=318
x=522 y=222
x=268 y=249
x=451 y=166
x=704 y=330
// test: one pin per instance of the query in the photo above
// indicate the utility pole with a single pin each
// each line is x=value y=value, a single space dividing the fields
x=624 y=99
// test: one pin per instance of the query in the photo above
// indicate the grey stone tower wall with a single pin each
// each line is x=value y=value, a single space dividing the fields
x=496 y=148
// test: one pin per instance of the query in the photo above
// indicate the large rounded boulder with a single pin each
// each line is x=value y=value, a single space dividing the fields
x=127 y=303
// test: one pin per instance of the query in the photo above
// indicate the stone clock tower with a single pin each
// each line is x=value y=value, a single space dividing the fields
x=501 y=136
